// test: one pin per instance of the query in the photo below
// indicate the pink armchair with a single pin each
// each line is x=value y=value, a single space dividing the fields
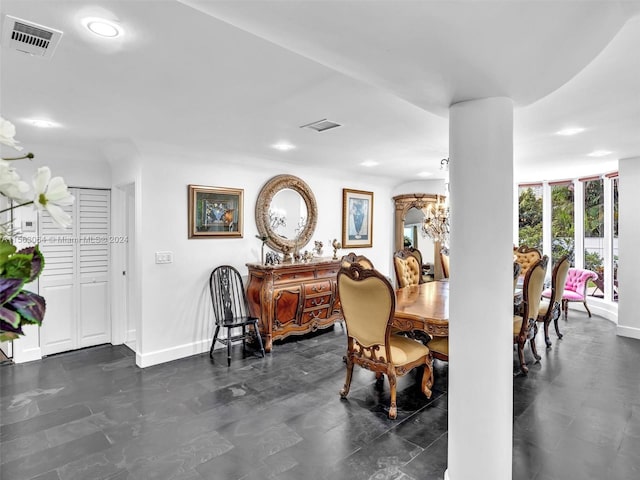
x=575 y=288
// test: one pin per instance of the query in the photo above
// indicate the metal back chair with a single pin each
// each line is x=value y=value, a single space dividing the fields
x=231 y=309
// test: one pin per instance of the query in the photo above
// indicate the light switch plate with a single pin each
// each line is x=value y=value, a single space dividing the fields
x=28 y=226
x=164 y=257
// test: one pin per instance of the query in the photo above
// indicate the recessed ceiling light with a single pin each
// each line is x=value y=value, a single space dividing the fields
x=36 y=122
x=570 y=131
x=369 y=163
x=283 y=146
x=599 y=153
x=425 y=174
x=102 y=28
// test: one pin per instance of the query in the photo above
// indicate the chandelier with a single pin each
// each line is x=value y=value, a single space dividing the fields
x=436 y=223
x=436 y=220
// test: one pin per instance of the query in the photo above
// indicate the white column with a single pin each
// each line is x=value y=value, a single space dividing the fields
x=628 y=241
x=481 y=290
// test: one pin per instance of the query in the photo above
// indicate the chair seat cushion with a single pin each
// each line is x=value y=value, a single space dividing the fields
x=544 y=308
x=572 y=296
x=517 y=324
x=406 y=350
x=439 y=345
x=546 y=293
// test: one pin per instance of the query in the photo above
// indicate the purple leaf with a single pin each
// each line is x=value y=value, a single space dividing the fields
x=30 y=306
x=5 y=327
x=9 y=317
x=9 y=288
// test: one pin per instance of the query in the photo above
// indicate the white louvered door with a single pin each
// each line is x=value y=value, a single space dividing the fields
x=75 y=281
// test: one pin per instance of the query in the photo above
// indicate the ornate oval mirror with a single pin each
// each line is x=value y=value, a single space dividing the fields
x=286 y=213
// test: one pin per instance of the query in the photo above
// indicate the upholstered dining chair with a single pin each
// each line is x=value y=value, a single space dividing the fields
x=368 y=306
x=408 y=270
x=526 y=257
x=575 y=288
x=550 y=306
x=439 y=348
x=444 y=260
x=516 y=274
x=361 y=260
x=524 y=325
x=231 y=310
x=424 y=269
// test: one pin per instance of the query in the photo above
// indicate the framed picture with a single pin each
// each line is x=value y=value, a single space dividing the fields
x=357 y=218
x=215 y=212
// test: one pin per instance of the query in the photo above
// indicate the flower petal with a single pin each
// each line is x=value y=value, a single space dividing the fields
x=41 y=180
x=58 y=215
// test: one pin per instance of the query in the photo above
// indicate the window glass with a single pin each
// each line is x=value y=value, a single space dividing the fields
x=562 y=222
x=530 y=216
x=594 y=234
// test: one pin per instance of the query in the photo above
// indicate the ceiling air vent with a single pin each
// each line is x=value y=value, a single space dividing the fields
x=29 y=37
x=321 y=125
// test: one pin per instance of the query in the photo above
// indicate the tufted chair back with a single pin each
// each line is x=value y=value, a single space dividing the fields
x=526 y=257
x=408 y=270
x=576 y=284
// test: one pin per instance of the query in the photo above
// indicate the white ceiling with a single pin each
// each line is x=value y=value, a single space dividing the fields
x=239 y=76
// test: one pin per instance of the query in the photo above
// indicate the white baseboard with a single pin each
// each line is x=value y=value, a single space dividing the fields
x=630 y=332
x=144 y=360
x=27 y=355
x=606 y=310
x=446 y=474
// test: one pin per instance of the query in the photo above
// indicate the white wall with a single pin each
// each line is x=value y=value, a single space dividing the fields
x=628 y=241
x=176 y=317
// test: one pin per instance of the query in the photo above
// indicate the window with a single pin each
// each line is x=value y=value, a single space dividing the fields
x=562 y=221
x=530 y=216
x=594 y=244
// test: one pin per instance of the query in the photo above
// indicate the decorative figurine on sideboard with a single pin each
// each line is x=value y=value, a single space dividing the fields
x=317 y=247
x=272 y=259
x=336 y=246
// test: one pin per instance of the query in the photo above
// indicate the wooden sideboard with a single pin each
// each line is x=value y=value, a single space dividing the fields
x=293 y=298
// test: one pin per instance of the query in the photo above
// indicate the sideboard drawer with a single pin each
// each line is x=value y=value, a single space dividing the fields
x=318 y=288
x=328 y=272
x=320 y=301
x=311 y=315
x=286 y=276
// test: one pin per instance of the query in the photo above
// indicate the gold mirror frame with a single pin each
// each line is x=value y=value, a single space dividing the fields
x=403 y=204
x=273 y=186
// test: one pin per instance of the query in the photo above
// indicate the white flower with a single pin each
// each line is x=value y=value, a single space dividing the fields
x=7 y=132
x=52 y=194
x=10 y=184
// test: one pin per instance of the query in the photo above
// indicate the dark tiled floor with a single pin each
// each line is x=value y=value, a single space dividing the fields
x=93 y=414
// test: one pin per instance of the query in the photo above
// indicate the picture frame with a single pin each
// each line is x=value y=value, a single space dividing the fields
x=357 y=218
x=215 y=212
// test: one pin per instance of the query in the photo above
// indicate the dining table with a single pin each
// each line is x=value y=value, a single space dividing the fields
x=423 y=307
